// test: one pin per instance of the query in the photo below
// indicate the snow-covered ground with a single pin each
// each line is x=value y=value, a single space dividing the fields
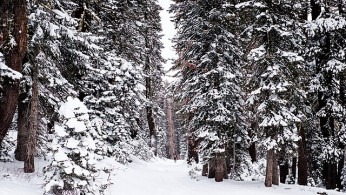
x=164 y=177
x=157 y=177
x=13 y=180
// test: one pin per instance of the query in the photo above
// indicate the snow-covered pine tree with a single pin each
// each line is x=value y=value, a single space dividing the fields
x=150 y=25
x=275 y=64
x=209 y=88
x=326 y=54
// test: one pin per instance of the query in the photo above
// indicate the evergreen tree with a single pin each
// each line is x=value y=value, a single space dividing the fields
x=209 y=67
x=276 y=64
x=326 y=55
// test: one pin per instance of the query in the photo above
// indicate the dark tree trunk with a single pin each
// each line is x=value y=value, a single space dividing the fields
x=283 y=172
x=192 y=154
x=205 y=170
x=219 y=173
x=13 y=58
x=302 y=159
x=29 y=163
x=294 y=167
x=316 y=9
x=252 y=148
x=253 y=152
x=212 y=168
x=23 y=122
x=269 y=169
x=150 y=117
x=275 y=170
x=225 y=172
x=331 y=176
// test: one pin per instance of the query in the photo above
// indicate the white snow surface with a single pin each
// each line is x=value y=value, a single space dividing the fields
x=13 y=180
x=156 y=177
x=71 y=107
x=166 y=177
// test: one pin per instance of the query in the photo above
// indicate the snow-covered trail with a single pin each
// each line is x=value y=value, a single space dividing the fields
x=164 y=177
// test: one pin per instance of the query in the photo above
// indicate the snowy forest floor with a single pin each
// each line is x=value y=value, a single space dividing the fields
x=156 y=177
x=166 y=177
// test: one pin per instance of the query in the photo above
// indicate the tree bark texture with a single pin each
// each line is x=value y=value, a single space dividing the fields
x=192 y=146
x=275 y=170
x=14 y=55
x=219 y=172
x=225 y=171
x=302 y=159
x=29 y=165
x=269 y=169
x=150 y=117
x=212 y=168
x=170 y=131
x=23 y=122
x=205 y=170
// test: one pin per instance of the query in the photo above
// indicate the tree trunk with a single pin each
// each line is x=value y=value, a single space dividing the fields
x=23 y=122
x=331 y=176
x=205 y=170
x=29 y=163
x=294 y=167
x=225 y=171
x=150 y=118
x=275 y=170
x=192 y=154
x=269 y=169
x=212 y=168
x=283 y=172
x=170 y=130
x=253 y=152
x=252 y=148
x=302 y=159
x=219 y=172
x=13 y=57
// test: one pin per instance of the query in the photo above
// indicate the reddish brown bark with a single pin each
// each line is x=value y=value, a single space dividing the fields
x=170 y=131
x=14 y=54
x=269 y=169
x=212 y=168
x=275 y=170
x=29 y=163
x=219 y=172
